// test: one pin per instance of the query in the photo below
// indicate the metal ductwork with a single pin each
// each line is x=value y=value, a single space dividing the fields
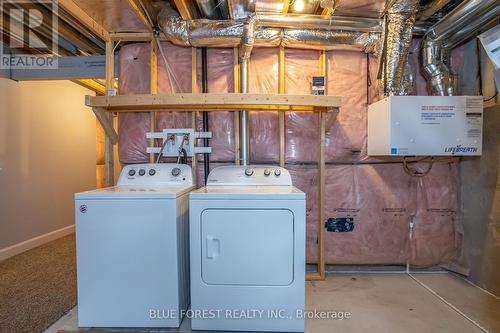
x=274 y=30
x=239 y=9
x=400 y=20
x=213 y=9
x=431 y=8
x=457 y=27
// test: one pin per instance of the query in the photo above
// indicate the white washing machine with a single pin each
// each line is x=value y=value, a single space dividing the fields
x=132 y=247
x=247 y=236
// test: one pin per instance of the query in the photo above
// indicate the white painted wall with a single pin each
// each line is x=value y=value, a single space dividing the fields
x=47 y=153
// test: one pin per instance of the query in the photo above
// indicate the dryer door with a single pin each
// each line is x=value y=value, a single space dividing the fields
x=247 y=247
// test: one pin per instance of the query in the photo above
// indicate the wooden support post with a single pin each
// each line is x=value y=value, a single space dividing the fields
x=106 y=123
x=194 y=114
x=281 y=115
x=320 y=274
x=286 y=6
x=236 y=116
x=322 y=179
x=110 y=81
x=154 y=90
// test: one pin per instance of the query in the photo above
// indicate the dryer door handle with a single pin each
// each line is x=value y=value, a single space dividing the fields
x=212 y=247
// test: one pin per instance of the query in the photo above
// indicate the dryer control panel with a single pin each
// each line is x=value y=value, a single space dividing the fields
x=260 y=175
x=156 y=174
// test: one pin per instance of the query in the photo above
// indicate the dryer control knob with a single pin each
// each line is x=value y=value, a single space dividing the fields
x=152 y=172
x=131 y=172
x=267 y=172
x=248 y=171
x=142 y=172
x=176 y=172
x=277 y=172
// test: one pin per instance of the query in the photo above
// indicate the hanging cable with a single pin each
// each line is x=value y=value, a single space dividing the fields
x=415 y=173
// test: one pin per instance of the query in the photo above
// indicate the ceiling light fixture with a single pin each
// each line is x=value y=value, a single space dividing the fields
x=298 y=5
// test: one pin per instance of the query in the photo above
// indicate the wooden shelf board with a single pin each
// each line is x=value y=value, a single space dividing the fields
x=214 y=102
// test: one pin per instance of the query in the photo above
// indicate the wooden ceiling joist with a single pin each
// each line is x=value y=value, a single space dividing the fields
x=186 y=9
x=84 y=18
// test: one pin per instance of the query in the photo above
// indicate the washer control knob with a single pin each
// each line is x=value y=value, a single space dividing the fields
x=176 y=172
x=142 y=172
x=277 y=172
x=131 y=172
x=249 y=171
x=152 y=172
x=267 y=172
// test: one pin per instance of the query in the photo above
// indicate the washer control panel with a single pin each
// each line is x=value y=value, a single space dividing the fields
x=155 y=174
x=261 y=175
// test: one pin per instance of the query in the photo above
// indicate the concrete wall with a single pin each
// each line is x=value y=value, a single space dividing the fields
x=480 y=182
x=480 y=196
x=47 y=153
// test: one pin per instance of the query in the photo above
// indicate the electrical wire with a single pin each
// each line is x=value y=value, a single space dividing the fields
x=415 y=173
x=489 y=99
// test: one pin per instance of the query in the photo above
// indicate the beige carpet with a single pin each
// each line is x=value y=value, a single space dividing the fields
x=37 y=287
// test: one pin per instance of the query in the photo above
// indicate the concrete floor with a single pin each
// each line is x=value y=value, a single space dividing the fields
x=382 y=302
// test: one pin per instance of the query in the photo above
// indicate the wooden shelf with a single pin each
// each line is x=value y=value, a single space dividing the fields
x=214 y=102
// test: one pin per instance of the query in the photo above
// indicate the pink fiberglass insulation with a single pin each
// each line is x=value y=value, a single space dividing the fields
x=264 y=126
x=378 y=199
x=221 y=124
x=347 y=77
x=437 y=234
x=134 y=78
x=306 y=178
x=302 y=128
x=381 y=199
x=176 y=81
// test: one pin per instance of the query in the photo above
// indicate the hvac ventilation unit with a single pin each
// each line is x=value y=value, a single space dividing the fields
x=426 y=125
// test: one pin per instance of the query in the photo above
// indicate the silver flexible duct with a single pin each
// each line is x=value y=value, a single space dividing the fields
x=460 y=24
x=400 y=22
x=268 y=33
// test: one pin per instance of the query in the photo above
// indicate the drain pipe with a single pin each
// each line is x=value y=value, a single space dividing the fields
x=246 y=46
x=457 y=27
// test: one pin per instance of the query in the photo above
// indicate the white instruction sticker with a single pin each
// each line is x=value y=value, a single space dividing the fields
x=491 y=43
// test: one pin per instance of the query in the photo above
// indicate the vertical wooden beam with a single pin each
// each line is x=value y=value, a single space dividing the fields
x=153 y=86
x=322 y=63
x=321 y=273
x=281 y=115
x=194 y=114
x=236 y=84
x=110 y=81
x=286 y=6
x=322 y=179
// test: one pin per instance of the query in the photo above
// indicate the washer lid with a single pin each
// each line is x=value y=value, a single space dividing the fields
x=249 y=192
x=136 y=192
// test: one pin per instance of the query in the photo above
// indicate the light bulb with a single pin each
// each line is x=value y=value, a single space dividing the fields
x=298 y=5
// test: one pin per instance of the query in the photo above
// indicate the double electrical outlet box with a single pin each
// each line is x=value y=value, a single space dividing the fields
x=426 y=126
x=174 y=139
